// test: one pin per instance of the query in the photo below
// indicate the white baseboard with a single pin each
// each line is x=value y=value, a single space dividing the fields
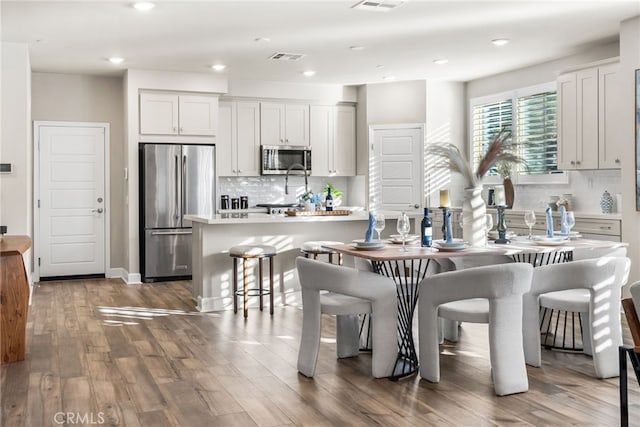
x=128 y=278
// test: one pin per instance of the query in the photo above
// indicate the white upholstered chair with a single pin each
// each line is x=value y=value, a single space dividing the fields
x=351 y=292
x=569 y=304
x=502 y=286
x=602 y=279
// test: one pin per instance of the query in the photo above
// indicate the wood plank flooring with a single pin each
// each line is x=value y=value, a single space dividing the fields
x=102 y=352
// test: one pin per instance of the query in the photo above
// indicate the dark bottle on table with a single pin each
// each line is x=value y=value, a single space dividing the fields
x=328 y=201
x=426 y=230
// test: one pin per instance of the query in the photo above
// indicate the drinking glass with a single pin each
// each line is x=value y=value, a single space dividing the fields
x=569 y=221
x=378 y=223
x=489 y=221
x=403 y=226
x=530 y=220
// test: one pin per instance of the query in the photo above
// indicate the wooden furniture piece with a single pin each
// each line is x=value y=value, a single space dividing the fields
x=315 y=248
x=246 y=252
x=409 y=268
x=629 y=305
x=14 y=298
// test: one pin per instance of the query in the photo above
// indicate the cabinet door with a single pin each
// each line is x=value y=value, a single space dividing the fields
x=271 y=123
x=248 y=138
x=609 y=141
x=587 y=88
x=198 y=115
x=158 y=114
x=567 y=121
x=344 y=151
x=321 y=138
x=296 y=124
x=225 y=140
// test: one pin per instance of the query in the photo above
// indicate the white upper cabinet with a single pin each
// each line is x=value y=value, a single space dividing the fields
x=284 y=124
x=172 y=114
x=610 y=156
x=333 y=140
x=238 y=140
x=587 y=135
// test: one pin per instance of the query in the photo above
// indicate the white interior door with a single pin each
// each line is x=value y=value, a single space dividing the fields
x=395 y=173
x=71 y=204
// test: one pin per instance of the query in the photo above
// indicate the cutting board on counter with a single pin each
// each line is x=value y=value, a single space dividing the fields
x=317 y=213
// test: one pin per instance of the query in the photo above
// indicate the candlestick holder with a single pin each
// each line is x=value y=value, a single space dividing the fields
x=444 y=222
x=501 y=227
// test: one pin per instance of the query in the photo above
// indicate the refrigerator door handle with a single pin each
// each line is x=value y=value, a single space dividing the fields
x=176 y=171
x=170 y=233
x=184 y=185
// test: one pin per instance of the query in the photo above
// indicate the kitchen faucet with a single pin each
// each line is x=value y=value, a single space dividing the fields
x=286 y=178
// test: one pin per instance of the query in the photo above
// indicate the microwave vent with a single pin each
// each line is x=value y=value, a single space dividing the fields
x=283 y=56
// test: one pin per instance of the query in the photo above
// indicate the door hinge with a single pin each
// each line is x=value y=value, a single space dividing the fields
x=38 y=203
x=38 y=261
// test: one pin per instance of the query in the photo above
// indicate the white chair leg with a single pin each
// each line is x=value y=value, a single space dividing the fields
x=450 y=329
x=310 y=339
x=429 y=349
x=586 y=333
x=347 y=335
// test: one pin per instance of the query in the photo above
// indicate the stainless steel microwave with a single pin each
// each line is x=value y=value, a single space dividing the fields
x=278 y=159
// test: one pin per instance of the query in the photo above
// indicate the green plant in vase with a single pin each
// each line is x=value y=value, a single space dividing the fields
x=337 y=194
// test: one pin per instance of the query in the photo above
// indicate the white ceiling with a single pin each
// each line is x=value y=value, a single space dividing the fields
x=78 y=37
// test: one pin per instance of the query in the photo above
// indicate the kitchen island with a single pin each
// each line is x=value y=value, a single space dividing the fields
x=212 y=238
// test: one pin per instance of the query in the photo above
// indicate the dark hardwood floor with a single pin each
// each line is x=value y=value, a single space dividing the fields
x=102 y=352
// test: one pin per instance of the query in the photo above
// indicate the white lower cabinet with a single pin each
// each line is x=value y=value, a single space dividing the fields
x=238 y=141
x=333 y=140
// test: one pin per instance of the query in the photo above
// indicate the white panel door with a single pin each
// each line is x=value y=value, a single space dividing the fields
x=395 y=175
x=72 y=200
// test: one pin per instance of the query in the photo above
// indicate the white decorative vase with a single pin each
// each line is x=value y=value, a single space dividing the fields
x=474 y=227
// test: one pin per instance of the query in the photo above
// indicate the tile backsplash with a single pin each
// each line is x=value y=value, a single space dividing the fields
x=270 y=189
x=586 y=187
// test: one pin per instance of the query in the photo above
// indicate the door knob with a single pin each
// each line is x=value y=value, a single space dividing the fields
x=416 y=206
x=99 y=210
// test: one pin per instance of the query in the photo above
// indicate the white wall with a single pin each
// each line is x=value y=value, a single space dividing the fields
x=83 y=98
x=629 y=62
x=445 y=124
x=16 y=147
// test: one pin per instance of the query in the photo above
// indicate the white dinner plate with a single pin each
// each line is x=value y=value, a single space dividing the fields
x=364 y=244
x=370 y=247
x=406 y=242
x=550 y=241
x=449 y=248
x=409 y=237
x=456 y=244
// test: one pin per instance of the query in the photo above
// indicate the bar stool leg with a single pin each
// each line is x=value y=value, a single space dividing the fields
x=306 y=255
x=246 y=288
x=271 y=285
x=330 y=258
x=339 y=259
x=260 y=280
x=235 y=285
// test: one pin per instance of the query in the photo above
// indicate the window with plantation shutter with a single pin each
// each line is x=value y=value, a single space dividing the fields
x=537 y=133
x=530 y=115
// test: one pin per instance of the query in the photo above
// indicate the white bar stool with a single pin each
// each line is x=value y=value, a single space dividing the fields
x=316 y=248
x=246 y=252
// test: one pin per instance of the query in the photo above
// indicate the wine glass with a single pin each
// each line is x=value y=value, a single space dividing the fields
x=569 y=221
x=489 y=221
x=530 y=220
x=403 y=226
x=378 y=223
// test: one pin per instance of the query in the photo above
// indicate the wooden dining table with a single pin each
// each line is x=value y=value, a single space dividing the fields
x=409 y=267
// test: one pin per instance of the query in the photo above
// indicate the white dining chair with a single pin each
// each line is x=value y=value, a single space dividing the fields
x=351 y=292
x=602 y=278
x=569 y=304
x=502 y=286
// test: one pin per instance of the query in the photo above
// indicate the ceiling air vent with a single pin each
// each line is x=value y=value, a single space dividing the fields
x=282 y=56
x=377 y=5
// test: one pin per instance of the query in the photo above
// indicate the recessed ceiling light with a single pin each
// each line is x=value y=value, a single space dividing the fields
x=144 y=6
x=440 y=61
x=388 y=78
x=377 y=5
x=116 y=60
x=500 y=42
x=356 y=47
x=218 y=67
x=262 y=39
x=309 y=73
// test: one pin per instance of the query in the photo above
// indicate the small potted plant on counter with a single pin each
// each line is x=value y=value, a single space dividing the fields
x=309 y=200
x=335 y=193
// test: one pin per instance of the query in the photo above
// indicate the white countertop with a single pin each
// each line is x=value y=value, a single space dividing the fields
x=255 y=218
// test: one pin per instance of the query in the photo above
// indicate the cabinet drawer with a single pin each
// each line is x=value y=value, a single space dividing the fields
x=598 y=226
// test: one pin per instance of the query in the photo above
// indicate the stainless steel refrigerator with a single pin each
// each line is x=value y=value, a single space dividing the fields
x=175 y=180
